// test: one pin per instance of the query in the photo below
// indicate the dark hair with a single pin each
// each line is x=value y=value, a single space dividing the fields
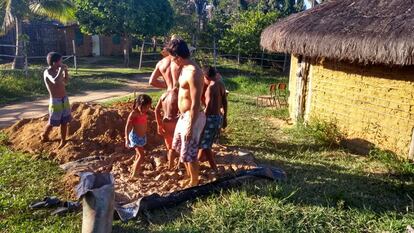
x=52 y=58
x=142 y=100
x=209 y=71
x=178 y=48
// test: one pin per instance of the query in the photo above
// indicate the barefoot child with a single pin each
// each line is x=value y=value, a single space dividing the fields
x=136 y=129
x=56 y=78
x=216 y=113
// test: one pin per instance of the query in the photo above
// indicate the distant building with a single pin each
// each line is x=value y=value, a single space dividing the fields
x=46 y=36
x=353 y=64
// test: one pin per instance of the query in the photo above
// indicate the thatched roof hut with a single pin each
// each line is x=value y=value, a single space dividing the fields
x=364 y=31
x=353 y=65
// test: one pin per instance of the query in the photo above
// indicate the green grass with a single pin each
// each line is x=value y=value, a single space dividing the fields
x=15 y=86
x=23 y=180
x=327 y=189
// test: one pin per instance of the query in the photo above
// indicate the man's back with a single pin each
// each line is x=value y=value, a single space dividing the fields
x=214 y=96
x=164 y=67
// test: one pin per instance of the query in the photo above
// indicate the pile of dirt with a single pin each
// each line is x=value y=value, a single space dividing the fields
x=95 y=130
x=96 y=144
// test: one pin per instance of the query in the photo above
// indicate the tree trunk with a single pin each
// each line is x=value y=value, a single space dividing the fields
x=18 y=62
x=126 y=50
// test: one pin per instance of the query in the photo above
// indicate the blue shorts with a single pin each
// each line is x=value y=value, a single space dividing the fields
x=135 y=140
x=211 y=130
x=59 y=111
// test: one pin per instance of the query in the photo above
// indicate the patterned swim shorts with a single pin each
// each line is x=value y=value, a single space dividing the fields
x=59 y=111
x=188 y=150
x=211 y=130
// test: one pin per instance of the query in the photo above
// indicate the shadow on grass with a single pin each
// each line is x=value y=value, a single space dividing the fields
x=322 y=183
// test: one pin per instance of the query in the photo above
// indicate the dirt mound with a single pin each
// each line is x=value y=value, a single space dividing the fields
x=94 y=130
x=96 y=144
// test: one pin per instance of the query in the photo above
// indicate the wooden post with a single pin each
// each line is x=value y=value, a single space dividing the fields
x=411 y=152
x=215 y=52
x=74 y=56
x=26 y=65
x=140 y=56
x=238 y=53
x=285 y=62
x=261 y=61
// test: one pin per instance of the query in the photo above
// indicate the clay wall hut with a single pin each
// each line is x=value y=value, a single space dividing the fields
x=353 y=64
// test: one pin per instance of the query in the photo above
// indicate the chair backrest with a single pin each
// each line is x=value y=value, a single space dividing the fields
x=272 y=89
x=281 y=86
x=281 y=89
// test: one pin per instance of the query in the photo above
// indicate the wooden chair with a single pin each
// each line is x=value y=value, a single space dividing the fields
x=281 y=95
x=270 y=99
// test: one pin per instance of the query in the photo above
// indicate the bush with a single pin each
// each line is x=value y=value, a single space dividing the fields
x=319 y=132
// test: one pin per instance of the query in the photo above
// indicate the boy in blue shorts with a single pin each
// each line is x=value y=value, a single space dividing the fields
x=56 y=78
x=216 y=114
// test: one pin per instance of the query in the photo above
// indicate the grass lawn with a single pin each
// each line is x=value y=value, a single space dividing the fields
x=327 y=190
x=93 y=74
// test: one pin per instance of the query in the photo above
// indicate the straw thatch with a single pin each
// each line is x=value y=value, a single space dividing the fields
x=364 y=31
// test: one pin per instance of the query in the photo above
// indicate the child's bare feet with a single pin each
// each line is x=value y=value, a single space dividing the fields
x=62 y=144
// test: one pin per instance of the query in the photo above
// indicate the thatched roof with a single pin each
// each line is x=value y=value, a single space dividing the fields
x=364 y=31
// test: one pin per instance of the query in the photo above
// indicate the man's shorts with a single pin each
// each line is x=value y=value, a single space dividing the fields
x=211 y=130
x=135 y=140
x=59 y=111
x=188 y=150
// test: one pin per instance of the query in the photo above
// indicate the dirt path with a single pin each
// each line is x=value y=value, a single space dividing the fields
x=12 y=113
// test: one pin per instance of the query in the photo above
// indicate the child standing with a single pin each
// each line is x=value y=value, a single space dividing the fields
x=56 y=77
x=136 y=129
x=216 y=114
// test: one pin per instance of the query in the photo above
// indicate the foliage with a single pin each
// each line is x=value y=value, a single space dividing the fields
x=184 y=19
x=320 y=132
x=135 y=17
x=245 y=31
x=25 y=9
x=13 y=12
x=285 y=7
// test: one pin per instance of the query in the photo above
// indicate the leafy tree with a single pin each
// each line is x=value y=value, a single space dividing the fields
x=245 y=31
x=285 y=7
x=184 y=18
x=15 y=11
x=127 y=18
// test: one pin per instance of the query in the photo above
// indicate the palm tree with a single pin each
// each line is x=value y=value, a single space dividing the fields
x=15 y=11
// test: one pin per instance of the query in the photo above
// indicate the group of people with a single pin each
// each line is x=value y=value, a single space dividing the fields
x=189 y=114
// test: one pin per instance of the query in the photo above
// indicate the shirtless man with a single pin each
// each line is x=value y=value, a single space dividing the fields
x=191 y=122
x=168 y=103
x=216 y=113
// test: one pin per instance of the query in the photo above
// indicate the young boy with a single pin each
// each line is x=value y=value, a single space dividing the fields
x=56 y=78
x=216 y=113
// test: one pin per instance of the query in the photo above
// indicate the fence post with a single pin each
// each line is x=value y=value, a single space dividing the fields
x=238 y=53
x=74 y=56
x=140 y=56
x=26 y=65
x=261 y=61
x=214 y=52
x=284 y=63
